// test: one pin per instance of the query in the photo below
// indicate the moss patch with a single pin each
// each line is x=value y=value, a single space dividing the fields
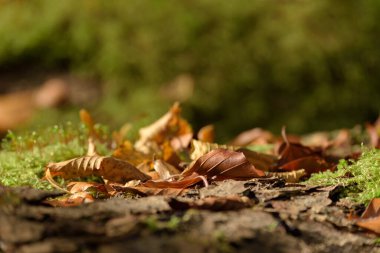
x=362 y=178
x=23 y=157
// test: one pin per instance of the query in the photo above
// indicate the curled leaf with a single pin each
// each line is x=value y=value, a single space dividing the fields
x=109 y=168
x=290 y=151
x=170 y=127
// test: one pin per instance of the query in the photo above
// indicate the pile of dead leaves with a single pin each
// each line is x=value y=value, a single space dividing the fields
x=168 y=160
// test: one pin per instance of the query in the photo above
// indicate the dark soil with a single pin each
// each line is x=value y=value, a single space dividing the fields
x=280 y=218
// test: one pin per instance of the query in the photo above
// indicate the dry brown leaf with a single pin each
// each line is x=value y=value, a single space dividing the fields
x=109 y=168
x=311 y=164
x=212 y=203
x=170 y=127
x=200 y=148
x=370 y=219
x=221 y=164
x=207 y=134
x=290 y=151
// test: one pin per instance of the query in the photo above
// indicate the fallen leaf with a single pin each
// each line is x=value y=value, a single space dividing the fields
x=370 y=219
x=311 y=164
x=290 y=151
x=170 y=127
x=212 y=203
x=221 y=164
x=108 y=167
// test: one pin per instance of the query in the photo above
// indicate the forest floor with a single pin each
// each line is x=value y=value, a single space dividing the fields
x=275 y=217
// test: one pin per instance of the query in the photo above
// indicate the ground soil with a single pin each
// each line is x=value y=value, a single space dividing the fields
x=280 y=217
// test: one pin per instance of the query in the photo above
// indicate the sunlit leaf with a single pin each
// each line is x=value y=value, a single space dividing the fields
x=108 y=167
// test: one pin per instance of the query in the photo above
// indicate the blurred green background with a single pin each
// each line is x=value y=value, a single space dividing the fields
x=310 y=65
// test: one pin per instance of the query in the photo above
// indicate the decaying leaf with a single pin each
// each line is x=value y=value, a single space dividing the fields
x=212 y=203
x=220 y=164
x=370 y=219
x=170 y=127
x=108 y=167
x=200 y=148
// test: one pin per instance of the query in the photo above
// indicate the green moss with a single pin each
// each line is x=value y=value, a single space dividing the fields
x=361 y=178
x=23 y=157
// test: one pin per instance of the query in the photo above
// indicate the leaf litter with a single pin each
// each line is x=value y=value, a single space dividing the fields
x=166 y=160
